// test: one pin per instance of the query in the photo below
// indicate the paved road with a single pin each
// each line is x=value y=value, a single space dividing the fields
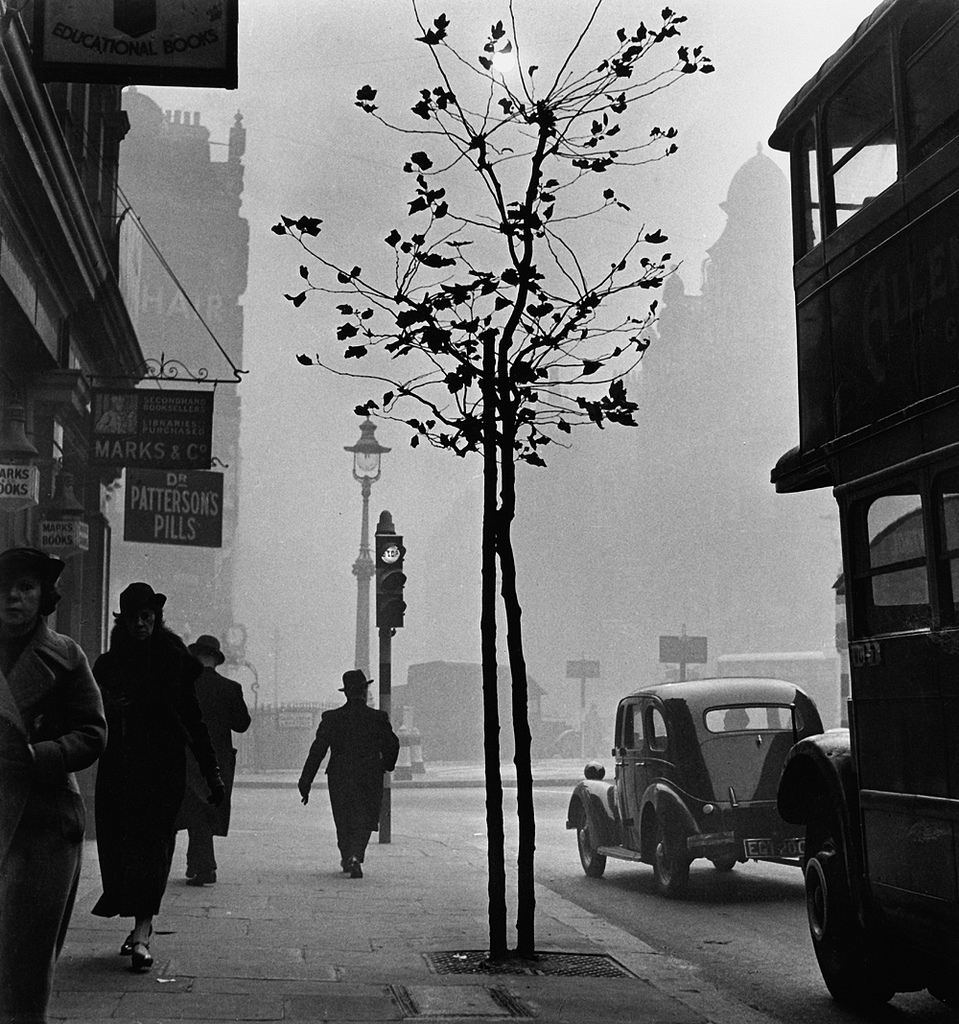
x=745 y=930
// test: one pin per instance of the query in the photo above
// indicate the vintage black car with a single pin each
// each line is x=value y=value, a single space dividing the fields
x=697 y=770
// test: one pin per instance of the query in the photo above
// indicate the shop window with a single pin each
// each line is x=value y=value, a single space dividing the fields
x=806 y=177
x=929 y=50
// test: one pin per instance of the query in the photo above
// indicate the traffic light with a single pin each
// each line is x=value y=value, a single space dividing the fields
x=390 y=580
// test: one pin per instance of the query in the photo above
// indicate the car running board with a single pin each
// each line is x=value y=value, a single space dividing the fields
x=620 y=852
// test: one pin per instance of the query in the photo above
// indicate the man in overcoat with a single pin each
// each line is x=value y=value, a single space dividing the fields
x=362 y=746
x=224 y=712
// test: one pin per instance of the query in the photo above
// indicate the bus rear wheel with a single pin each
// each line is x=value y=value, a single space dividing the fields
x=842 y=947
x=670 y=859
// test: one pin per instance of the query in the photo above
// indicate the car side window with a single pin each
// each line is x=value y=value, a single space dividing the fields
x=632 y=737
x=655 y=729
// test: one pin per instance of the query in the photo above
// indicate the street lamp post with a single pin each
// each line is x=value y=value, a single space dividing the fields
x=367 y=453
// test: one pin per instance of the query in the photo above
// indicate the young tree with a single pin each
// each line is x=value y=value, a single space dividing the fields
x=507 y=332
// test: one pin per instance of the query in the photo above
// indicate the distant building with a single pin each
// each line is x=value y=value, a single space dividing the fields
x=188 y=201
x=445 y=702
x=635 y=531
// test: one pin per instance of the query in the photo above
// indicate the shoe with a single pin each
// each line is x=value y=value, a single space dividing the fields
x=141 y=959
x=127 y=948
x=190 y=872
x=345 y=865
x=202 y=878
x=356 y=870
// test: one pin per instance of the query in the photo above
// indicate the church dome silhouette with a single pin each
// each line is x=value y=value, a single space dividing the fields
x=759 y=185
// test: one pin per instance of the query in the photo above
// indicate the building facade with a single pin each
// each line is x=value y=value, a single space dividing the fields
x=190 y=264
x=63 y=320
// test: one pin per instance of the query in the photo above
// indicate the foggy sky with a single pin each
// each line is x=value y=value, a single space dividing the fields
x=309 y=150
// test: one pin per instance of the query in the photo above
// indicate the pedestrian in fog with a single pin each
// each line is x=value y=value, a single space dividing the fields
x=362 y=747
x=224 y=712
x=51 y=725
x=147 y=680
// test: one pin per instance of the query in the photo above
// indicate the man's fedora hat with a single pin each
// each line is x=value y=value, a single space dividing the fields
x=355 y=679
x=207 y=644
x=140 y=595
x=30 y=561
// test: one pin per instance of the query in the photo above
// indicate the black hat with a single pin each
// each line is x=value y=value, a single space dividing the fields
x=16 y=561
x=140 y=595
x=207 y=644
x=355 y=679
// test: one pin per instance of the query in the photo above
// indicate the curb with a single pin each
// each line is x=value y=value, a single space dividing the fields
x=257 y=783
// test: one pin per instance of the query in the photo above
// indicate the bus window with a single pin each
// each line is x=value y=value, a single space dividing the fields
x=947 y=501
x=861 y=138
x=806 y=177
x=929 y=49
x=892 y=590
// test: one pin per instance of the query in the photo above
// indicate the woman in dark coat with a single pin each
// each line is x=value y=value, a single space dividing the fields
x=51 y=725
x=147 y=680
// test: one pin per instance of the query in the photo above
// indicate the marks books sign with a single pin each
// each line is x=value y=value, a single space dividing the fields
x=151 y=42
x=174 y=508
x=152 y=429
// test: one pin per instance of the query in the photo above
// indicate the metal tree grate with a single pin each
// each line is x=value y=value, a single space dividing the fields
x=566 y=965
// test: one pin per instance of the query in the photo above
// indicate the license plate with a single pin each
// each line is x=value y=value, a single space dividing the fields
x=775 y=847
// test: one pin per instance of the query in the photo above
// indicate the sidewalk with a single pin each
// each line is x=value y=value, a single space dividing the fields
x=284 y=935
x=444 y=774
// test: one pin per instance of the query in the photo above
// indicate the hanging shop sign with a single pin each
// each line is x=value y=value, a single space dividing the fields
x=152 y=429
x=174 y=508
x=64 y=537
x=149 y=42
x=19 y=487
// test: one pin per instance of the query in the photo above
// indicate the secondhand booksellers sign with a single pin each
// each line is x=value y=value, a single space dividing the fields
x=151 y=42
x=174 y=508
x=152 y=429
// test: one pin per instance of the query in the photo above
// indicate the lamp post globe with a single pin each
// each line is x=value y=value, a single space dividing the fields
x=367 y=461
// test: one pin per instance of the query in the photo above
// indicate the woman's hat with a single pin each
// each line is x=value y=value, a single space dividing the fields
x=207 y=644
x=140 y=595
x=355 y=679
x=17 y=561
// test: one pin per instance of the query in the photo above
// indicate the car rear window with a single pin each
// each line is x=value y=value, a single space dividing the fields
x=753 y=718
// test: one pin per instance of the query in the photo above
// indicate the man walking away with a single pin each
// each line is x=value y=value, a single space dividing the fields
x=362 y=747
x=225 y=712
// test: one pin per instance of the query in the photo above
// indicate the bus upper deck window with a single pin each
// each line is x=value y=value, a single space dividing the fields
x=892 y=591
x=808 y=206
x=947 y=502
x=929 y=50
x=861 y=139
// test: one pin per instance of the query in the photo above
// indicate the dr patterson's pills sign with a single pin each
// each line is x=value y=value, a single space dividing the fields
x=174 y=508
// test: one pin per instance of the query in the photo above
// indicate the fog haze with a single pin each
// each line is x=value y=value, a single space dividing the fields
x=587 y=563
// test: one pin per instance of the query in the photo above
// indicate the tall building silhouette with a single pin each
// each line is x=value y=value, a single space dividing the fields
x=633 y=532
x=191 y=271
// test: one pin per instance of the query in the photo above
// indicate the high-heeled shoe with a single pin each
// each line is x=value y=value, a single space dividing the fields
x=142 y=959
x=127 y=948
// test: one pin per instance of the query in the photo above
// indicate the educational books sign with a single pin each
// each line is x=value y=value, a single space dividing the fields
x=174 y=508
x=152 y=429
x=150 y=42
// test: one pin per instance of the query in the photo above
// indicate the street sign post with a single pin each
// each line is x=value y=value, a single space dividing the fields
x=582 y=670
x=683 y=650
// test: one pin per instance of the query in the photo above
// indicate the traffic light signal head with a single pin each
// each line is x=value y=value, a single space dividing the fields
x=390 y=580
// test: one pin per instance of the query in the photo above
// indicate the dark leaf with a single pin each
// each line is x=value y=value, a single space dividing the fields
x=564 y=426
x=355 y=352
x=278 y=229
x=345 y=331
x=392 y=238
x=305 y=273
x=486 y=63
x=422 y=161
x=533 y=459
x=305 y=360
x=367 y=94
x=309 y=225
x=345 y=310
x=656 y=237
x=297 y=300
x=590 y=366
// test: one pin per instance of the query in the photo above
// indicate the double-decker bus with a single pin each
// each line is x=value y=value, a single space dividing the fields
x=873 y=141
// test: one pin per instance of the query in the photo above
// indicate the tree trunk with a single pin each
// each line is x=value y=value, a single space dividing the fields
x=526 y=892
x=495 y=837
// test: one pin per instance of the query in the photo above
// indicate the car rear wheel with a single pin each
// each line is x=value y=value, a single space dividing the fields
x=594 y=863
x=852 y=975
x=670 y=859
x=726 y=863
